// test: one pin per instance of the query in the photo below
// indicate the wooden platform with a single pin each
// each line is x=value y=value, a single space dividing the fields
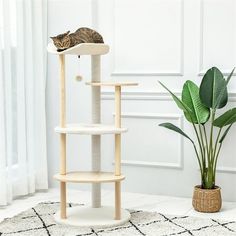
x=94 y=129
x=81 y=49
x=89 y=177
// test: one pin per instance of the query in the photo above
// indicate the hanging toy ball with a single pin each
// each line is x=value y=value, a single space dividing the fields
x=78 y=78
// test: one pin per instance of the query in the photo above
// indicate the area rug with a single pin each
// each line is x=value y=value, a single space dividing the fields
x=39 y=221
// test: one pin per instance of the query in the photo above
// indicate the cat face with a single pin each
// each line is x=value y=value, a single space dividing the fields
x=61 y=41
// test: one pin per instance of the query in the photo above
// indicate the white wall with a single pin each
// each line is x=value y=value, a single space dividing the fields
x=151 y=40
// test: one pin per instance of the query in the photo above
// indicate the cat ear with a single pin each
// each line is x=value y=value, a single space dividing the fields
x=52 y=38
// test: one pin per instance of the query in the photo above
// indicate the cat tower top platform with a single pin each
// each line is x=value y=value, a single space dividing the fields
x=81 y=49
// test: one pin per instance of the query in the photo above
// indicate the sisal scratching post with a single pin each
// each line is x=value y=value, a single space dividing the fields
x=62 y=136
x=96 y=139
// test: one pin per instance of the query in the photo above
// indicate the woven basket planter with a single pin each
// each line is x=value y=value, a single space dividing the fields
x=207 y=200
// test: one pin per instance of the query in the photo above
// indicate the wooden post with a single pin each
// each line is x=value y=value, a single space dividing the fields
x=62 y=136
x=117 y=152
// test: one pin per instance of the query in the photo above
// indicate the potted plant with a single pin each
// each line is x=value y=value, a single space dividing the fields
x=199 y=106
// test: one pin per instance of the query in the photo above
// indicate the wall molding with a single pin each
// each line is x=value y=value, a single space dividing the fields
x=94 y=15
x=139 y=95
x=224 y=72
x=201 y=69
x=151 y=164
x=149 y=95
x=179 y=72
x=148 y=73
x=228 y=170
x=200 y=66
x=141 y=115
x=172 y=116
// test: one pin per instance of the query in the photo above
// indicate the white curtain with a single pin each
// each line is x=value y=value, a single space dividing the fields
x=23 y=163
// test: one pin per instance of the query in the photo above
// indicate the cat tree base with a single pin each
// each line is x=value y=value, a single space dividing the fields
x=92 y=217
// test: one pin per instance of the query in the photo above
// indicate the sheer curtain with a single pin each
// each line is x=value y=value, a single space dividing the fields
x=23 y=163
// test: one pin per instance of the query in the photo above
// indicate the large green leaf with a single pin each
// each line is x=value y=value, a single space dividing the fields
x=179 y=103
x=176 y=129
x=213 y=90
x=225 y=133
x=229 y=117
x=190 y=96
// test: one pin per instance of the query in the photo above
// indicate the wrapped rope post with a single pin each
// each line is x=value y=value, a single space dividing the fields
x=96 y=118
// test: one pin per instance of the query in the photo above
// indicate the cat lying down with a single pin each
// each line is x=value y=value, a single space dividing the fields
x=81 y=35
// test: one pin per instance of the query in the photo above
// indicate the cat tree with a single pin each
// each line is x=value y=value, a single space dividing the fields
x=96 y=215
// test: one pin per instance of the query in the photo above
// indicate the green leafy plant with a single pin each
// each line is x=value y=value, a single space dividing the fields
x=199 y=106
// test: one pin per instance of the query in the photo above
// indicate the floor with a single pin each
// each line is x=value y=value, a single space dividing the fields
x=162 y=204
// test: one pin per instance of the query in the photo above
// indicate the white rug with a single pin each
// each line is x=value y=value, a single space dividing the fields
x=39 y=221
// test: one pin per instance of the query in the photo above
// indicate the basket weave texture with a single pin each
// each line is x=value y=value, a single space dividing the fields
x=207 y=200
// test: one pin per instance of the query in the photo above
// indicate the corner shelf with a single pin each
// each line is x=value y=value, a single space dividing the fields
x=96 y=215
x=90 y=129
x=89 y=177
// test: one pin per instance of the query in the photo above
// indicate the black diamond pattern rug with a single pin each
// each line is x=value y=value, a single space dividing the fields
x=39 y=221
